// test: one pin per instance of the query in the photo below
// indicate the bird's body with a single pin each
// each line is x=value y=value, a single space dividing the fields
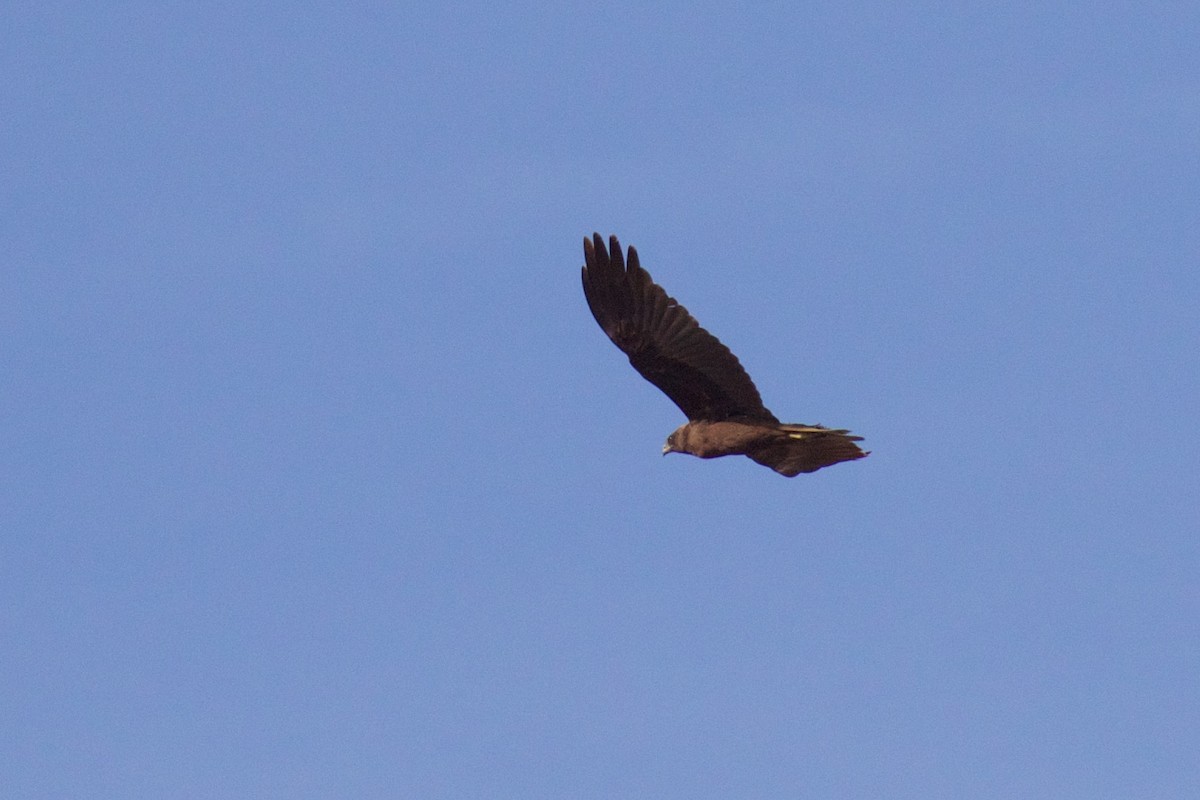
x=787 y=449
x=668 y=347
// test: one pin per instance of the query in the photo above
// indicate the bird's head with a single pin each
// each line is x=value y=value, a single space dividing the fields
x=674 y=443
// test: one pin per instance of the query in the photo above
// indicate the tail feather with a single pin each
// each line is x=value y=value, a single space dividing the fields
x=803 y=431
x=807 y=448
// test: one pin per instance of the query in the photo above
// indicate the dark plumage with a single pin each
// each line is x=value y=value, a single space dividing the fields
x=668 y=347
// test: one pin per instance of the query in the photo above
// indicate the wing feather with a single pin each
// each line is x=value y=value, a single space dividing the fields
x=663 y=341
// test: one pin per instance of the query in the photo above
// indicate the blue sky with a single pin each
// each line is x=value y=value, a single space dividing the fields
x=319 y=479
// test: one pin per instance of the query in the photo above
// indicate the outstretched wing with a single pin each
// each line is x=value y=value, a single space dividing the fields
x=664 y=343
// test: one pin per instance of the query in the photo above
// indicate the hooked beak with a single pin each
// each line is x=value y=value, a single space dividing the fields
x=667 y=448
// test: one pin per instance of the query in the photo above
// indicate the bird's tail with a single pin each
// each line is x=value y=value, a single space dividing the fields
x=806 y=448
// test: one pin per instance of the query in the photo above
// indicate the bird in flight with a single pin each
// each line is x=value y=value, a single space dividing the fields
x=726 y=416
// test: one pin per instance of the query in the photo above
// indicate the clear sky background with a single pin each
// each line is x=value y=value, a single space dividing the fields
x=319 y=480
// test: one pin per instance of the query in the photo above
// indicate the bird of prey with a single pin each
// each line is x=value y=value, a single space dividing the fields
x=668 y=347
